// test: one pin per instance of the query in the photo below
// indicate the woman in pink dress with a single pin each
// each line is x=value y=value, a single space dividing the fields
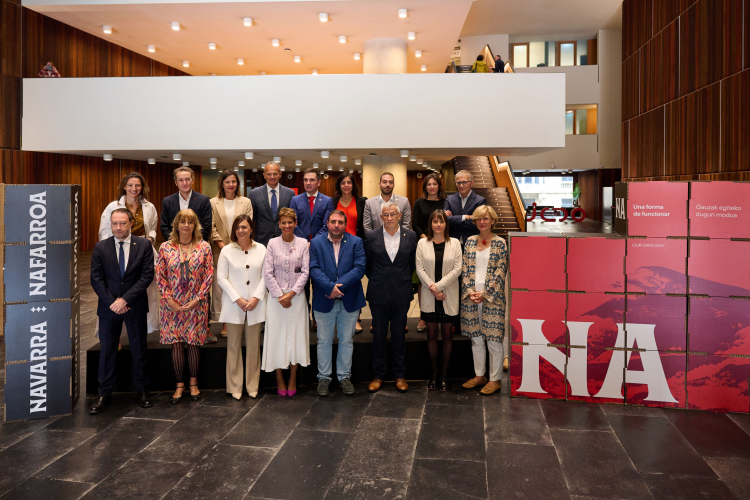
x=184 y=273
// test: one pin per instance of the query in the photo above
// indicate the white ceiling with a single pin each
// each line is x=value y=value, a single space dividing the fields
x=437 y=24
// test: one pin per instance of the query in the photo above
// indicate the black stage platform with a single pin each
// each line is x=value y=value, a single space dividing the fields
x=212 y=373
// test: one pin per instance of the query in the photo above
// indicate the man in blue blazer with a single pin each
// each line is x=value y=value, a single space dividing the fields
x=337 y=265
x=122 y=268
x=460 y=206
x=267 y=200
x=185 y=198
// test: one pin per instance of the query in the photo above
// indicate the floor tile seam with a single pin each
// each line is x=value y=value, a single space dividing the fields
x=486 y=450
x=303 y=428
x=453 y=459
x=454 y=405
x=416 y=442
x=682 y=475
x=270 y=448
x=240 y=420
x=58 y=457
x=503 y=441
x=581 y=430
x=149 y=418
x=260 y=474
x=560 y=463
x=337 y=473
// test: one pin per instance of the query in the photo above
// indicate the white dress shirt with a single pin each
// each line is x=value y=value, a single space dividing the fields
x=125 y=249
x=277 y=194
x=392 y=242
x=229 y=211
x=183 y=202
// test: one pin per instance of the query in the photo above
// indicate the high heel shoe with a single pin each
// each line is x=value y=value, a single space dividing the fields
x=281 y=392
x=291 y=392
x=176 y=400
x=432 y=384
x=444 y=383
x=195 y=397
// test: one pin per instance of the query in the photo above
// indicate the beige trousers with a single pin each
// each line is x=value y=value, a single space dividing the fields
x=234 y=358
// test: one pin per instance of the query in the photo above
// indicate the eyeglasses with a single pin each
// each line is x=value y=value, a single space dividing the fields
x=461 y=183
x=391 y=216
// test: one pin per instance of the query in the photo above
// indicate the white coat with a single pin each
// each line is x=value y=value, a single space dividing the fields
x=240 y=275
x=150 y=219
x=450 y=282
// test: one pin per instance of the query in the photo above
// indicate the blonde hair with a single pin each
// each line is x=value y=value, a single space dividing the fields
x=188 y=214
x=288 y=212
x=483 y=211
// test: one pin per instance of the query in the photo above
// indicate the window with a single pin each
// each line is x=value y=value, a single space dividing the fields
x=519 y=55
x=581 y=121
x=536 y=180
x=547 y=190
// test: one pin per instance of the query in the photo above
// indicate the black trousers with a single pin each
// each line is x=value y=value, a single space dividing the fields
x=383 y=316
x=110 y=327
x=308 y=295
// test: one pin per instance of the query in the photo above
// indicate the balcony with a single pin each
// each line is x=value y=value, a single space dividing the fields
x=581 y=82
x=580 y=153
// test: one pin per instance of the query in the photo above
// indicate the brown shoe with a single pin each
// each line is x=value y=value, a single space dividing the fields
x=505 y=364
x=490 y=389
x=474 y=383
x=375 y=385
x=401 y=385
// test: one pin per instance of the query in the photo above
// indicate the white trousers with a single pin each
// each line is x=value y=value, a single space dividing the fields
x=497 y=354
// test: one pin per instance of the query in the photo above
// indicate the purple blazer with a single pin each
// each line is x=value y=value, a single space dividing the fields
x=287 y=266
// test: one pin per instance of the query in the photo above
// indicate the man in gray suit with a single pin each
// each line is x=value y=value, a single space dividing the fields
x=267 y=200
x=373 y=206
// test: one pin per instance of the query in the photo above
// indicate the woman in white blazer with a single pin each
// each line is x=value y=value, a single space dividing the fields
x=243 y=309
x=439 y=262
x=132 y=193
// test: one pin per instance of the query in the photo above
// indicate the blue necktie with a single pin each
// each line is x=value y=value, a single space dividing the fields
x=274 y=203
x=122 y=259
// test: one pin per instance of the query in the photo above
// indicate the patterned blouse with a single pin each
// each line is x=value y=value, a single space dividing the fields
x=493 y=307
x=287 y=265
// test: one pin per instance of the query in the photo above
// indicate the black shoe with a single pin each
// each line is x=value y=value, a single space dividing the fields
x=175 y=400
x=432 y=384
x=100 y=405
x=144 y=400
x=195 y=397
x=444 y=383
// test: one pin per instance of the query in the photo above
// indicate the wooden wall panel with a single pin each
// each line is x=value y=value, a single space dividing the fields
x=735 y=122
x=10 y=38
x=631 y=87
x=589 y=201
x=592 y=51
x=746 y=33
x=666 y=11
x=626 y=149
x=10 y=75
x=647 y=144
x=161 y=69
x=637 y=27
x=124 y=62
x=659 y=78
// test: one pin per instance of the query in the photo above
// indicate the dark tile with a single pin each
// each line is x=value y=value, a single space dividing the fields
x=81 y=421
x=226 y=472
x=735 y=472
x=337 y=412
x=382 y=448
x=310 y=458
x=352 y=488
x=456 y=395
x=392 y=404
x=452 y=432
x=515 y=420
x=447 y=479
x=221 y=398
x=743 y=420
x=595 y=464
x=163 y=409
x=712 y=434
x=271 y=421
x=193 y=436
x=48 y=489
x=637 y=411
x=666 y=487
x=526 y=470
x=574 y=416
x=13 y=432
x=139 y=479
x=105 y=452
x=656 y=446
x=26 y=457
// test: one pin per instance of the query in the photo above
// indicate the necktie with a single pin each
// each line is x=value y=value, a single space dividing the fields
x=311 y=199
x=122 y=259
x=274 y=203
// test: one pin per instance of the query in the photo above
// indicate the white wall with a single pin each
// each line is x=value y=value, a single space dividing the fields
x=582 y=84
x=610 y=105
x=294 y=112
x=471 y=47
x=580 y=153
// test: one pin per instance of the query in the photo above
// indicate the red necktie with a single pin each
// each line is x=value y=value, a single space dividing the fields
x=311 y=199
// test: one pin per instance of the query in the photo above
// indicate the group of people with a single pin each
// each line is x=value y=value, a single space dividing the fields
x=261 y=265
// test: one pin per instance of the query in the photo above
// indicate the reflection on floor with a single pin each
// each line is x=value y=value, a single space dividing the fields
x=569 y=226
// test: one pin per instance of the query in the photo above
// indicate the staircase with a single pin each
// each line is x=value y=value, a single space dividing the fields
x=485 y=186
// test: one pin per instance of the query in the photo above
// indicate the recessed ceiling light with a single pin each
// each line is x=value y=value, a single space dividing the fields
x=249 y=155
x=325 y=154
x=152 y=48
x=412 y=35
x=316 y=165
x=186 y=64
x=351 y=170
x=404 y=153
x=255 y=170
x=275 y=42
x=420 y=161
x=315 y=72
x=107 y=157
x=296 y=170
x=402 y=13
x=214 y=74
x=240 y=61
x=262 y=73
x=323 y=17
x=283 y=168
x=344 y=158
x=236 y=169
x=342 y=39
x=358 y=162
x=297 y=59
x=341 y=169
x=247 y=21
x=277 y=159
x=298 y=163
x=152 y=161
x=241 y=163
x=213 y=161
x=413 y=158
x=185 y=163
x=357 y=56
x=107 y=29
x=211 y=46
x=424 y=67
x=330 y=167
x=177 y=157
x=417 y=53
x=176 y=25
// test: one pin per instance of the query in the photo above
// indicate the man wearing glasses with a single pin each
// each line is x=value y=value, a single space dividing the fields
x=460 y=206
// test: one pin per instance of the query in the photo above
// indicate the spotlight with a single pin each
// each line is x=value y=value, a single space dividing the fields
x=248 y=21
x=240 y=61
x=152 y=161
x=213 y=161
x=298 y=163
x=343 y=158
x=411 y=35
x=211 y=46
x=424 y=67
x=297 y=59
x=107 y=29
x=404 y=153
x=413 y=158
x=175 y=25
x=420 y=161
x=325 y=154
x=358 y=162
x=186 y=64
x=249 y=155
x=357 y=56
x=152 y=48
x=316 y=165
x=277 y=159
x=342 y=39
x=275 y=42
x=323 y=17
x=402 y=13
x=315 y=72
x=177 y=157
x=185 y=163
x=241 y=163
x=417 y=53
x=107 y=157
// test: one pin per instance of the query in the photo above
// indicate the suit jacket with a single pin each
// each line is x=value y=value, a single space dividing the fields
x=221 y=228
x=360 y=201
x=109 y=285
x=307 y=223
x=199 y=203
x=266 y=225
x=460 y=228
x=371 y=217
x=390 y=282
x=326 y=274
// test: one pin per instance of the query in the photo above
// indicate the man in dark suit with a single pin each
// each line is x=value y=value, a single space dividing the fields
x=460 y=206
x=391 y=259
x=122 y=268
x=337 y=265
x=183 y=199
x=267 y=200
